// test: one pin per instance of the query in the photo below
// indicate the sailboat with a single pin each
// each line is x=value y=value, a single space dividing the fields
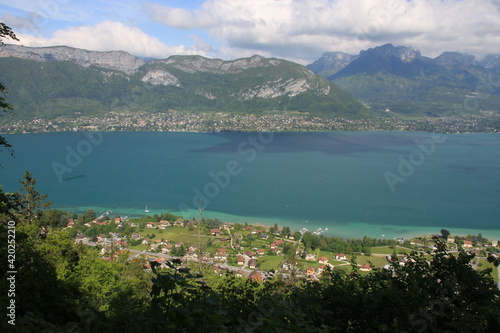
x=146 y=210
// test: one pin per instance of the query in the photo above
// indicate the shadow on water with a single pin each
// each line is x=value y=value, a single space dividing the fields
x=327 y=143
x=74 y=177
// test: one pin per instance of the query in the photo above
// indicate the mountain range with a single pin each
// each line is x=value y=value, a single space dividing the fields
x=399 y=79
x=50 y=82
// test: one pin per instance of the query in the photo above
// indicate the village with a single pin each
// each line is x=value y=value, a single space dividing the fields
x=256 y=252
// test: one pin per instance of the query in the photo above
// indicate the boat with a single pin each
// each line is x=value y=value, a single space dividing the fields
x=146 y=210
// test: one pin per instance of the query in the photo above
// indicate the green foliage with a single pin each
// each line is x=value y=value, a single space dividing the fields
x=63 y=88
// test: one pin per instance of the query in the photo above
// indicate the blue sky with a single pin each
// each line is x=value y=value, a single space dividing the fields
x=298 y=30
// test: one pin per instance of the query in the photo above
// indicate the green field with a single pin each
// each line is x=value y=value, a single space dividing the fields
x=388 y=250
x=267 y=263
x=483 y=264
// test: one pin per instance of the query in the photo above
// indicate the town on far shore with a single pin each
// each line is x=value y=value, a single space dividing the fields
x=255 y=251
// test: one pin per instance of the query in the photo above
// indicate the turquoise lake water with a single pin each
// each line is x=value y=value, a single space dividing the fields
x=380 y=184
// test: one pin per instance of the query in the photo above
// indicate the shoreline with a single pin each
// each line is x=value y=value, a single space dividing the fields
x=346 y=230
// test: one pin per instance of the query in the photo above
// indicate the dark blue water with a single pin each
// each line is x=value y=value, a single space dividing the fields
x=354 y=183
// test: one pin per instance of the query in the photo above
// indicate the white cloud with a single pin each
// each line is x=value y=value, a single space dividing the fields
x=106 y=36
x=302 y=30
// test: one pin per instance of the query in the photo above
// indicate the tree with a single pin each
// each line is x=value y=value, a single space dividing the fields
x=31 y=201
x=445 y=233
x=5 y=32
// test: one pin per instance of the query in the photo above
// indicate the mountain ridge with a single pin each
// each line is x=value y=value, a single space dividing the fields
x=56 y=81
x=402 y=80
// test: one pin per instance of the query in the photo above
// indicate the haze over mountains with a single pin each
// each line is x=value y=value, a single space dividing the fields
x=62 y=81
x=401 y=80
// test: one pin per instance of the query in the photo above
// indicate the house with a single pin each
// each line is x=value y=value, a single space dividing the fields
x=273 y=245
x=192 y=255
x=70 y=224
x=323 y=260
x=256 y=276
x=264 y=236
x=150 y=225
x=494 y=243
x=261 y=252
x=321 y=269
x=215 y=232
x=276 y=250
x=278 y=242
x=101 y=238
x=365 y=268
x=179 y=223
x=220 y=254
x=166 y=249
x=311 y=257
x=467 y=243
x=340 y=256
x=250 y=254
x=241 y=260
x=165 y=223
x=118 y=220
x=178 y=245
x=239 y=273
x=310 y=271
x=252 y=264
x=451 y=239
x=288 y=266
x=145 y=242
x=135 y=235
x=81 y=239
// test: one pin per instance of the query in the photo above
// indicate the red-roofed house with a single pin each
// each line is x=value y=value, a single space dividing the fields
x=220 y=254
x=250 y=254
x=241 y=260
x=256 y=276
x=323 y=260
x=340 y=256
x=215 y=232
x=467 y=243
x=365 y=268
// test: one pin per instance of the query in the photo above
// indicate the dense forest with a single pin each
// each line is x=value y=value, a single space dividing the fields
x=61 y=286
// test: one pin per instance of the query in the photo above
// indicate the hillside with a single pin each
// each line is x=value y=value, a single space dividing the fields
x=401 y=80
x=63 y=81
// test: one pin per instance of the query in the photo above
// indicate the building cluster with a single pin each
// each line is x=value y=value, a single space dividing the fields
x=176 y=121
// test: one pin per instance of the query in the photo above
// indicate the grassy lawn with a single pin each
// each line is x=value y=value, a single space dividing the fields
x=269 y=262
x=485 y=264
x=379 y=262
x=139 y=247
x=388 y=250
x=175 y=234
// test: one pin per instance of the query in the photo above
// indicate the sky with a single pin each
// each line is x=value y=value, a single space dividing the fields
x=297 y=30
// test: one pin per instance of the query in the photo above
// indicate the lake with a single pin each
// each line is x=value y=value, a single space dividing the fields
x=380 y=184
